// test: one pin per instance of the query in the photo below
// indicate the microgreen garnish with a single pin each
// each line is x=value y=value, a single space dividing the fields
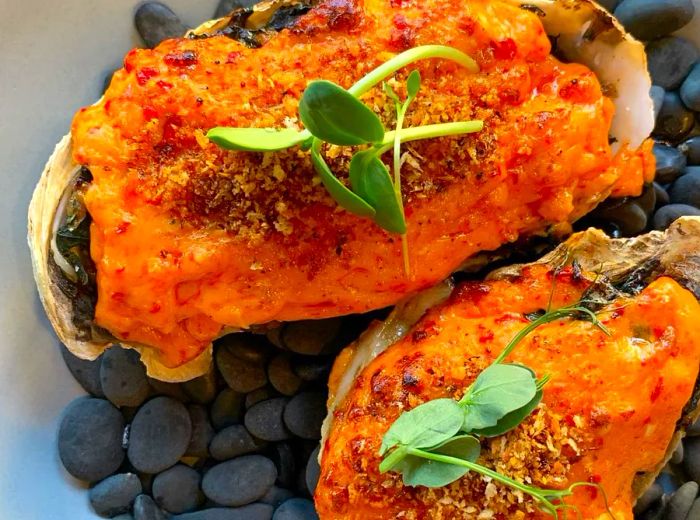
x=438 y=442
x=334 y=115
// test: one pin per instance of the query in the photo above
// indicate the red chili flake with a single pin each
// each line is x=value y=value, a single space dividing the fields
x=125 y=335
x=181 y=59
x=505 y=49
x=468 y=25
x=400 y=21
x=627 y=414
x=595 y=479
x=118 y=296
x=419 y=335
x=129 y=60
x=646 y=421
x=120 y=270
x=164 y=85
x=108 y=104
x=403 y=34
x=485 y=337
x=121 y=228
x=149 y=113
x=233 y=57
x=399 y=3
x=146 y=73
x=656 y=392
x=154 y=308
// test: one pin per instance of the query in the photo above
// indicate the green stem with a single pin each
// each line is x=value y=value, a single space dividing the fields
x=416 y=133
x=393 y=459
x=536 y=493
x=397 y=186
x=406 y=58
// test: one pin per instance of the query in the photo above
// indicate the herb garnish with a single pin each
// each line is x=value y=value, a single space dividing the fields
x=334 y=115
x=438 y=442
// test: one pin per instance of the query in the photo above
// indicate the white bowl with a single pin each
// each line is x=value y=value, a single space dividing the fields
x=53 y=60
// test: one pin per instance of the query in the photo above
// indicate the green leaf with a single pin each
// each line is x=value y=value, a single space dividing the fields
x=256 y=139
x=499 y=390
x=370 y=179
x=389 y=91
x=511 y=420
x=412 y=86
x=334 y=115
x=418 y=471
x=427 y=425
x=340 y=193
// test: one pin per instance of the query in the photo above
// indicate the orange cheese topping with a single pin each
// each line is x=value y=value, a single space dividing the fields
x=188 y=238
x=609 y=411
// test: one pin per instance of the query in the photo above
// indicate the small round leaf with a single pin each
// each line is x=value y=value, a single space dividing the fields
x=334 y=115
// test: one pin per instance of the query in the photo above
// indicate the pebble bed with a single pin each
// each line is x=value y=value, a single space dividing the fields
x=241 y=442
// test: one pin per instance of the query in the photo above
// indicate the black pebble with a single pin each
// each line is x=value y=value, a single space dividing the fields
x=662 y=197
x=296 y=509
x=665 y=216
x=691 y=459
x=670 y=60
x=313 y=471
x=86 y=373
x=264 y=420
x=686 y=190
x=115 y=494
x=173 y=390
x=657 y=511
x=241 y=361
x=123 y=377
x=227 y=409
x=232 y=442
x=625 y=214
x=312 y=368
x=647 y=200
x=675 y=121
x=682 y=500
x=691 y=149
x=177 y=489
x=657 y=94
x=251 y=512
x=311 y=337
x=694 y=511
x=690 y=90
x=261 y=394
x=226 y=6
x=239 y=481
x=202 y=431
x=90 y=439
x=670 y=163
x=651 y=19
x=281 y=375
x=160 y=434
x=276 y=496
x=610 y=5
x=156 y=22
x=694 y=429
x=650 y=496
x=305 y=412
x=202 y=389
x=146 y=509
x=282 y=455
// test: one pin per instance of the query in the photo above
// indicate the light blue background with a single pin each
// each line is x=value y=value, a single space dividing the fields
x=53 y=57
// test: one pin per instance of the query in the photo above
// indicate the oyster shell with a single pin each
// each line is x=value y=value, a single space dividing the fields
x=627 y=266
x=614 y=56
